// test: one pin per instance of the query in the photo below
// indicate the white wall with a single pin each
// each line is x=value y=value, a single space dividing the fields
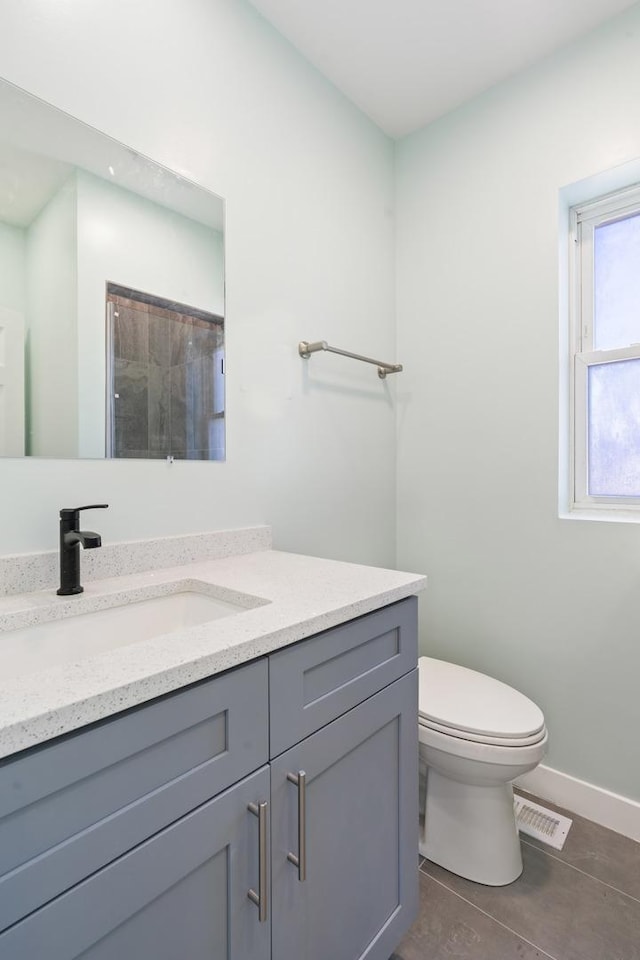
x=12 y=267
x=209 y=89
x=12 y=338
x=52 y=342
x=550 y=605
x=125 y=239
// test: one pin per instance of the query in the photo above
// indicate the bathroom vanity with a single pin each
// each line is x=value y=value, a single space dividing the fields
x=263 y=804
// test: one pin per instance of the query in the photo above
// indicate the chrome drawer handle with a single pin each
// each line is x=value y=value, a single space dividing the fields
x=259 y=810
x=300 y=861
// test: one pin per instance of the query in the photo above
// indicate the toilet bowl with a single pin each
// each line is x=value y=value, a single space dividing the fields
x=476 y=736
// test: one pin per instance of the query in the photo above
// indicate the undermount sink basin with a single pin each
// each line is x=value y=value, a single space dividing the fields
x=75 y=637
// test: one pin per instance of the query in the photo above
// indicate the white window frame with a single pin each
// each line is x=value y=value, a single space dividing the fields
x=584 y=218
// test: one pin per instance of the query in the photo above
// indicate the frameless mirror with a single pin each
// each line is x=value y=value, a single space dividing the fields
x=111 y=296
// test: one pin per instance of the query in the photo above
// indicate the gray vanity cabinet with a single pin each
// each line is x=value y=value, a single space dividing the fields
x=139 y=837
x=180 y=896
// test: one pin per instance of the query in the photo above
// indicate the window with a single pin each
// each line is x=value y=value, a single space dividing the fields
x=605 y=350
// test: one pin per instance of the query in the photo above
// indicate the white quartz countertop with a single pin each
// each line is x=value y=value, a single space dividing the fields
x=294 y=597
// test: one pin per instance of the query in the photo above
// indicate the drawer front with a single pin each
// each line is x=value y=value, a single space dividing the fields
x=317 y=680
x=73 y=805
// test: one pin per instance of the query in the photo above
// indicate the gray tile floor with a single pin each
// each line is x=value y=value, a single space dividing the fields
x=579 y=903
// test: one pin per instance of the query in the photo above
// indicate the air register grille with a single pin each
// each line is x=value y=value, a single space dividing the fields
x=536 y=821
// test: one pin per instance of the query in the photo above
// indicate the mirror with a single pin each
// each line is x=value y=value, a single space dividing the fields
x=111 y=296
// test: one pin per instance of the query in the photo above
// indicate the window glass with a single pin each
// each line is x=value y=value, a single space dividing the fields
x=617 y=284
x=614 y=429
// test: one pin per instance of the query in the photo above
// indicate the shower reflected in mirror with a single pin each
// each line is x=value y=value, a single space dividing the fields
x=165 y=378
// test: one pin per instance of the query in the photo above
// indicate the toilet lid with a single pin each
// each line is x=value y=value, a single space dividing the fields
x=464 y=700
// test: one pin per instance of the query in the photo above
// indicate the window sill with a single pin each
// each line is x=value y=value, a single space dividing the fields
x=607 y=515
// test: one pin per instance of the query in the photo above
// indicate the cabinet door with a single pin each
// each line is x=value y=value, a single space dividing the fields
x=360 y=891
x=182 y=895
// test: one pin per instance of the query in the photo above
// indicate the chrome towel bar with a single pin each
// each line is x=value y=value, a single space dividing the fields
x=305 y=349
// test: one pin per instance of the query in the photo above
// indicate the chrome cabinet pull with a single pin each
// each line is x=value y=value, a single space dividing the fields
x=259 y=810
x=300 y=861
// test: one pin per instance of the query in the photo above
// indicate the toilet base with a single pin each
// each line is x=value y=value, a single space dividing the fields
x=471 y=830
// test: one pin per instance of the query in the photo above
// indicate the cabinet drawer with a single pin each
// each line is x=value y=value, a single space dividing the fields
x=73 y=805
x=319 y=679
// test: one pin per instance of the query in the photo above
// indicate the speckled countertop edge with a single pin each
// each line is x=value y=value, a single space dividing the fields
x=298 y=596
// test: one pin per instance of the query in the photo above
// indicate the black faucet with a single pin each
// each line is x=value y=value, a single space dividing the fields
x=71 y=539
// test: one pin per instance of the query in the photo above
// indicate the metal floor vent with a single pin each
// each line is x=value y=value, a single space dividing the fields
x=536 y=821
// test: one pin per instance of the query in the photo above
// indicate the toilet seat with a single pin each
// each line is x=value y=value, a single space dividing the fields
x=483 y=738
x=505 y=756
x=468 y=705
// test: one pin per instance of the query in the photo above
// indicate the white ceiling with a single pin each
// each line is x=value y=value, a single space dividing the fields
x=406 y=62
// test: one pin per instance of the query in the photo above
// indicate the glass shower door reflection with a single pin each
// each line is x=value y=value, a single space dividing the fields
x=165 y=379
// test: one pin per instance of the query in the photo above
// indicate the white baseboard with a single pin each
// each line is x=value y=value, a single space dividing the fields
x=608 y=809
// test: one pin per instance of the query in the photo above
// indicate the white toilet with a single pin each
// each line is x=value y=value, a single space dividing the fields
x=476 y=736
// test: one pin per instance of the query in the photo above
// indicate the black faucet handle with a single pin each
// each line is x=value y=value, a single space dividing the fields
x=71 y=513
